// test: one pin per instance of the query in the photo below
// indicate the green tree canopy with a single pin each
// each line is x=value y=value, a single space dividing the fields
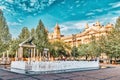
x=110 y=44
x=5 y=35
x=25 y=34
x=33 y=32
x=59 y=49
x=74 y=52
x=117 y=25
x=41 y=37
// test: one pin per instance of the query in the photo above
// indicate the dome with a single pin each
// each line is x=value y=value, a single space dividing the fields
x=87 y=26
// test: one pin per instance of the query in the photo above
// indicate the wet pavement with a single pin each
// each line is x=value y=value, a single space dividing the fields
x=101 y=74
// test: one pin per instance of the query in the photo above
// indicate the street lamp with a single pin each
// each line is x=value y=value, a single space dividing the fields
x=74 y=43
x=74 y=39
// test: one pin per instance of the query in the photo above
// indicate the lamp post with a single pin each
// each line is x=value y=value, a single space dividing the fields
x=74 y=43
x=74 y=39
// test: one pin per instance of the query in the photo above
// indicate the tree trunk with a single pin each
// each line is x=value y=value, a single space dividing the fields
x=86 y=57
x=115 y=60
x=111 y=60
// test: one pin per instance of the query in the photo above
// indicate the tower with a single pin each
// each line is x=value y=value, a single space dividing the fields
x=87 y=26
x=57 y=32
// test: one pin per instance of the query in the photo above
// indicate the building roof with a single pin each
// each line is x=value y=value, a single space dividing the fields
x=27 y=43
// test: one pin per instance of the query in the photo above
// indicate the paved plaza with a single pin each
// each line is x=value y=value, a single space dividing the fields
x=101 y=74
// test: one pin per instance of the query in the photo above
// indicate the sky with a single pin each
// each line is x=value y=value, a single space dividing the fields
x=71 y=15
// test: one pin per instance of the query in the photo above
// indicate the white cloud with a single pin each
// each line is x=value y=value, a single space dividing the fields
x=73 y=14
x=78 y=5
x=67 y=27
x=10 y=1
x=14 y=24
x=71 y=7
x=98 y=10
x=74 y=27
x=91 y=13
x=108 y=18
x=116 y=12
x=51 y=1
x=63 y=2
x=20 y=20
x=2 y=7
x=77 y=1
x=115 y=5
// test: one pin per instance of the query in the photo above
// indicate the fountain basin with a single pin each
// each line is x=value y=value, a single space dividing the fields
x=47 y=66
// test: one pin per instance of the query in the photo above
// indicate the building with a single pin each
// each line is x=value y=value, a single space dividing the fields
x=96 y=30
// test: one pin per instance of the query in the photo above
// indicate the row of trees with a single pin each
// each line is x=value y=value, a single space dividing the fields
x=40 y=39
x=91 y=50
x=39 y=36
x=110 y=45
x=5 y=36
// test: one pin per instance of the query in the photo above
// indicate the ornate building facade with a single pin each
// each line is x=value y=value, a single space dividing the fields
x=96 y=30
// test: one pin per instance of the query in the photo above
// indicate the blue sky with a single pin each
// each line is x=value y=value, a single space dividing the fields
x=71 y=15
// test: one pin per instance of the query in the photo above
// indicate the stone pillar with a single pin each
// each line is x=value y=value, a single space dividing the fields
x=31 y=54
x=48 y=56
x=34 y=53
x=37 y=55
x=16 y=56
x=40 y=56
x=20 y=53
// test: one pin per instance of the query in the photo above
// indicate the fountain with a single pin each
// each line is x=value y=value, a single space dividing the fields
x=46 y=66
x=42 y=62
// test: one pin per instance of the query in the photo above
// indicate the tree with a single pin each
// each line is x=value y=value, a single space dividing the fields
x=59 y=49
x=83 y=50
x=41 y=37
x=74 y=52
x=117 y=25
x=110 y=44
x=25 y=34
x=14 y=45
x=5 y=36
x=90 y=50
x=33 y=32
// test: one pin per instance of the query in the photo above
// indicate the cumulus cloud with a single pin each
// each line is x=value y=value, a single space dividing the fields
x=97 y=10
x=2 y=7
x=13 y=23
x=115 y=5
x=20 y=20
x=10 y=1
x=91 y=13
x=29 y=6
x=72 y=15
x=70 y=27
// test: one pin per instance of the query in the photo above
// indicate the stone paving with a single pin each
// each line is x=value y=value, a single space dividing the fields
x=101 y=74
